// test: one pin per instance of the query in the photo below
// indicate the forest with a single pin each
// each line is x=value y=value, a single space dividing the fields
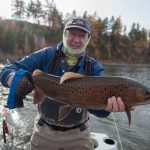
x=38 y=24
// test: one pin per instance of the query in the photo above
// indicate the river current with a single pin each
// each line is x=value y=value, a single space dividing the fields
x=135 y=137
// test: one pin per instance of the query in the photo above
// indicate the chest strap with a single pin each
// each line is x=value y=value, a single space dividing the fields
x=81 y=126
x=88 y=64
x=58 y=56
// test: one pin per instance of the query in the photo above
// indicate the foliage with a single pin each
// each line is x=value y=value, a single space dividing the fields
x=109 y=38
x=18 y=8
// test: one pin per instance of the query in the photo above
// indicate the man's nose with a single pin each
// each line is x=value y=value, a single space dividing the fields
x=76 y=38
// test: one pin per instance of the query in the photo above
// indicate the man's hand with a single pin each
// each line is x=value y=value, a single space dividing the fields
x=20 y=84
x=116 y=105
x=25 y=85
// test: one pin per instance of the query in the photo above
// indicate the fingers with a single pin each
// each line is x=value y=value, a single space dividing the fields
x=132 y=108
x=121 y=106
x=115 y=104
x=109 y=105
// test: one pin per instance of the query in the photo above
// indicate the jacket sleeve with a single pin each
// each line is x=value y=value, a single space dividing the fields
x=99 y=113
x=35 y=60
x=98 y=70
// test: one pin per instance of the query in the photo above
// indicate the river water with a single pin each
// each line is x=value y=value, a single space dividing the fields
x=135 y=137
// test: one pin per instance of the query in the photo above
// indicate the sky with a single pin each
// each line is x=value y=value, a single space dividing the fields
x=129 y=10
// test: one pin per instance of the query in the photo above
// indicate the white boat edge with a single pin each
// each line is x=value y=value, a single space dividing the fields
x=103 y=142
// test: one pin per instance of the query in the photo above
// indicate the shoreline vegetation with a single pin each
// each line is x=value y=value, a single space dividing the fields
x=110 y=42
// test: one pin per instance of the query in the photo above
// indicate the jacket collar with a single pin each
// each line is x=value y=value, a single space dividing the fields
x=81 y=60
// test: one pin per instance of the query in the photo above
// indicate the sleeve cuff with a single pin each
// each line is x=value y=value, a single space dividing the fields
x=6 y=76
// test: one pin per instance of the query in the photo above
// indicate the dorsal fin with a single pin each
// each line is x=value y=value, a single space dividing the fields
x=70 y=75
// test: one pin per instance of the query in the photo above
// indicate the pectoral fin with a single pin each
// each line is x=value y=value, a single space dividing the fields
x=70 y=75
x=127 y=109
x=64 y=111
x=38 y=95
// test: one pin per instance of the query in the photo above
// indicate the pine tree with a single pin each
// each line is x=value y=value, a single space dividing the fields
x=18 y=9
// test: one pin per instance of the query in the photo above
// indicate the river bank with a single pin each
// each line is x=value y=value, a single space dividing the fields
x=141 y=60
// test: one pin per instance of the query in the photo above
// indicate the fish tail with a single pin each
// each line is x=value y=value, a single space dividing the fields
x=127 y=109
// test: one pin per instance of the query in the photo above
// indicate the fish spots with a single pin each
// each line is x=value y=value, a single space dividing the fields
x=91 y=92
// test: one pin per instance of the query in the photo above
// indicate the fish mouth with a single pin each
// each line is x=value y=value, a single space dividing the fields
x=145 y=102
x=147 y=99
x=147 y=95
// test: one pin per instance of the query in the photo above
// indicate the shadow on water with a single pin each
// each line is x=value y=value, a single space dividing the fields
x=135 y=137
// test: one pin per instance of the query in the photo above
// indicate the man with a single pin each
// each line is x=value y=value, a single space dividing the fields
x=71 y=133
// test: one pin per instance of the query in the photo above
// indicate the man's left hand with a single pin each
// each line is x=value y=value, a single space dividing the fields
x=115 y=104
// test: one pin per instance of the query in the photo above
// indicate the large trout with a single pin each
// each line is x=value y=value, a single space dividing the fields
x=91 y=92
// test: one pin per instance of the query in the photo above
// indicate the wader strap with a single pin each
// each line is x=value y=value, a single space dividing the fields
x=58 y=55
x=88 y=62
x=81 y=126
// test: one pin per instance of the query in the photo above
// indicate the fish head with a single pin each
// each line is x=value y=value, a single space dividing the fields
x=42 y=79
x=48 y=84
x=37 y=77
x=137 y=94
x=146 y=94
x=140 y=95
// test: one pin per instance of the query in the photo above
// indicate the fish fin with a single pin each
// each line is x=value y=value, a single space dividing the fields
x=127 y=109
x=64 y=111
x=38 y=95
x=70 y=75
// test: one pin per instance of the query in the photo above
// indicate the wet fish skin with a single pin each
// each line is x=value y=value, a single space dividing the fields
x=92 y=92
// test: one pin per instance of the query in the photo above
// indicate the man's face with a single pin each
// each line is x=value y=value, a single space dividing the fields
x=76 y=38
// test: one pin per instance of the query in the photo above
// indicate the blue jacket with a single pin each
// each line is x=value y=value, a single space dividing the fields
x=42 y=59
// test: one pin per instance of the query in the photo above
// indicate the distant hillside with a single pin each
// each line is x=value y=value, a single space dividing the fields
x=19 y=38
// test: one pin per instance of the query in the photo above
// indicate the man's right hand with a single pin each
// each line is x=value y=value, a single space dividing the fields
x=23 y=87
